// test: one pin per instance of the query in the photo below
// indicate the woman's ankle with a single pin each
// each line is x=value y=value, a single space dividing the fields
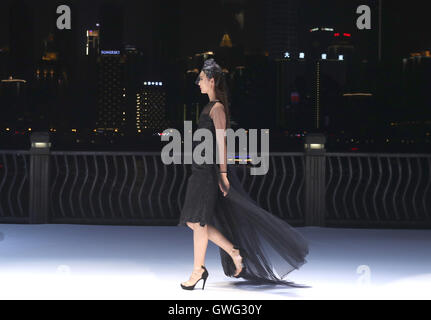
x=233 y=252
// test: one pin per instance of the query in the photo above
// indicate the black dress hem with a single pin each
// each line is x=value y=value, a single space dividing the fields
x=192 y=220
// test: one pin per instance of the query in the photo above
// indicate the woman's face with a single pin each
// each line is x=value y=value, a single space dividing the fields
x=204 y=83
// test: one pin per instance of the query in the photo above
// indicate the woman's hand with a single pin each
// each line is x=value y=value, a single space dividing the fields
x=224 y=184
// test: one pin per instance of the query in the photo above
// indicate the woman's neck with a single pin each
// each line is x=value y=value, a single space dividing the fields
x=212 y=96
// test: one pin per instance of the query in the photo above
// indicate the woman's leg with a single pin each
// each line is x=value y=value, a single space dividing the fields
x=201 y=235
x=200 y=242
x=214 y=235
x=219 y=239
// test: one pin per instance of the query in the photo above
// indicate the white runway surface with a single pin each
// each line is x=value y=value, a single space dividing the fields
x=142 y=262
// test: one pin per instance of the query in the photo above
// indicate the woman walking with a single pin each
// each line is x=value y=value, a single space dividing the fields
x=217 y=208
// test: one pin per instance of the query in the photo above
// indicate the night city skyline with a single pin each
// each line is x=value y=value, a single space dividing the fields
x=157 y=38
x=219 y=16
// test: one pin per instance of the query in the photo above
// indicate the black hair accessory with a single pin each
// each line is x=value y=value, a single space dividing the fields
x=210 y=68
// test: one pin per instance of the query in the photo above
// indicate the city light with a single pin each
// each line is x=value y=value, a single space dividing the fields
x=301 y=55
x=11 y=79
x=341 y=57
x=324 y=56
x=287 y=55
x=357 y=95
x=152 y=83
x=110 y=52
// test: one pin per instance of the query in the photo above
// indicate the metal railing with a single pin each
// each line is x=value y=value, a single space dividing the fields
x=310 y=188
x=136 y=187
x=14 y=186
x=378 y=189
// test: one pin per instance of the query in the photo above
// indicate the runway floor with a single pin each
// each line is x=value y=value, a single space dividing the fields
x=141 y=262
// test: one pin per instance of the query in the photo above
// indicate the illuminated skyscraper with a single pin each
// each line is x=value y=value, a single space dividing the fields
x=92 y=47
x=281 y=27
x=329 y=81
x=342 y=46
x=134 y=65
x=318 y=41
x=50 y=82
x=416 y=83
x=111 y=92
x=111 y=71
x=151 y=108
x=292 y=89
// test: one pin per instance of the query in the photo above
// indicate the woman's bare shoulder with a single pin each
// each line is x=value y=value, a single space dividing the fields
x=217 y=107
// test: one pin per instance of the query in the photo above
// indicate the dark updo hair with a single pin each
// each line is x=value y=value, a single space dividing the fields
x=213 y=70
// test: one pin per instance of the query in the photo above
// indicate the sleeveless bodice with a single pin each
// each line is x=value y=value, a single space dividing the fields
x=205 y=121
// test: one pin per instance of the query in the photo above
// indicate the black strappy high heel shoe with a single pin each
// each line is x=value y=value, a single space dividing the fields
x=243 y=255
x=204 y=277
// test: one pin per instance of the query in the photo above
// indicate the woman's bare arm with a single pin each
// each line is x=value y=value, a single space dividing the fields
x=218 y=116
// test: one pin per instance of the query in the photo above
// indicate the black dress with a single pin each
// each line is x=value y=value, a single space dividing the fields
x=202 y=186
x=271 y=247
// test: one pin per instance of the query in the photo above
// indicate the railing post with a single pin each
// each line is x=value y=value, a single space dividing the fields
x=315 y=158
x=39 y=177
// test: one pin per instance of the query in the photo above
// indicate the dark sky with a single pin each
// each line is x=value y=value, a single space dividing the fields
x=205 y=22
x=202 y=22
x=405 y=24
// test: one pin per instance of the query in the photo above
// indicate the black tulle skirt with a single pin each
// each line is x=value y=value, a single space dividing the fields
x=202 y=195
x=272 y=247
